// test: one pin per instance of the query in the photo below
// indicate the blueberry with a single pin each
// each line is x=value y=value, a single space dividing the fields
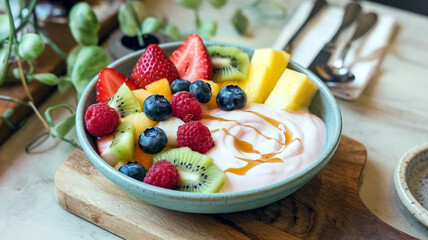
x=134 y=170
x=180 y=85
x=201 y=90
x=231 y=97
x=152 y=140
x=157 y=108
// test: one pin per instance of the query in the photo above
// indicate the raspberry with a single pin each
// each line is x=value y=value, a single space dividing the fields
x=101 y=119
x=162 y=174
x=186 y=107
x=196 y=136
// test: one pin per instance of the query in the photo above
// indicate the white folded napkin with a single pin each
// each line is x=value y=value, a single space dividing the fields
x=363 y=57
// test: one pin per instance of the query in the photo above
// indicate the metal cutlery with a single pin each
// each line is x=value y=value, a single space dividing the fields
x=352 y=11
x=333 y=74
x=318 y=5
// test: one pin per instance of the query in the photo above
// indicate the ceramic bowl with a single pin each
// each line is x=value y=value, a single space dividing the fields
x=323 y=105
x=411 y=182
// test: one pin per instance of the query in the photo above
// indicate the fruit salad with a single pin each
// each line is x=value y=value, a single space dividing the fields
x=207 y=119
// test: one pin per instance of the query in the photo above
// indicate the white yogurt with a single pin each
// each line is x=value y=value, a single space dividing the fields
x=260 y=145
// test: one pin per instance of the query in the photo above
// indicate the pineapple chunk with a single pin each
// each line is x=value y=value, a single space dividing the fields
x=266 y=67
x=160 y=87
x=214 y=90
x=140 y=122
x=141 y=95
x=292 y=92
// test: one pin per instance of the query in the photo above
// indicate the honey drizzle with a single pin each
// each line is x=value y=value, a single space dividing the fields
x=243 y=125
x=241 y=145
x=246 y=147
x=273 y=122
x=250 y=164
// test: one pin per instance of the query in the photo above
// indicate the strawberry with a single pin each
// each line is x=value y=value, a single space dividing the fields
x=153 y=65
x=103 y=143
x=103 y=149
x=109 y=80
x=192 y=59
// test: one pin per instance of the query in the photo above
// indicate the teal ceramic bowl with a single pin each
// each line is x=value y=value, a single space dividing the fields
x=323 y=105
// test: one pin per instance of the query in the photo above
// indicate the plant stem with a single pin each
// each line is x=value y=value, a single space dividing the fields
x=45 y=124
x=11 y=37
x=73 y=143
x=31 y=7
x=7 y=98
x=49 y=41
x=197 y=18
x=139 y=32
x=24 y=83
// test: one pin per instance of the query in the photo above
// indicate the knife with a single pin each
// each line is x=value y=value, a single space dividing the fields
x=318 y=5
x=351 y=13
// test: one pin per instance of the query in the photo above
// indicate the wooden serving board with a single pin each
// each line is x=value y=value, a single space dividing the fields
x=328 y=207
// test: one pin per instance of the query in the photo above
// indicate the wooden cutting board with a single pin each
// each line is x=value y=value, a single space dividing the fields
x=328 y=207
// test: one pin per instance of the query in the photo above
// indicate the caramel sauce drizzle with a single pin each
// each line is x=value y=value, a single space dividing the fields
x=240 y=124
x=247 y=147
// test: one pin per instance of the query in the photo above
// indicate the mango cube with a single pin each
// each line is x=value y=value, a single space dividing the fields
x=160 y=87
x=266 y=67
x=292 y=92
x=141 y=95
x=214 y=90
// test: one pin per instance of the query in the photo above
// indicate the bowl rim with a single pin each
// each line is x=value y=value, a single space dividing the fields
x=322 y=160
x=402 y=188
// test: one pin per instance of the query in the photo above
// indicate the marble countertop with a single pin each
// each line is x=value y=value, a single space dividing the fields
x=389 y=118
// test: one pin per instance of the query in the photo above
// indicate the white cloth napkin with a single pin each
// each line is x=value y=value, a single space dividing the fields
x=363 y=57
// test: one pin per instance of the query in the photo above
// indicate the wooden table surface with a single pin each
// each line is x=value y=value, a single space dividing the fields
x=389 y=118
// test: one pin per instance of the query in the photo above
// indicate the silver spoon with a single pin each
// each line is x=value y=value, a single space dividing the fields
x=336 y=73
x=352 y=11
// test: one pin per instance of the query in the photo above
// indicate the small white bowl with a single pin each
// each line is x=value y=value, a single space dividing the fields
x=411 y=182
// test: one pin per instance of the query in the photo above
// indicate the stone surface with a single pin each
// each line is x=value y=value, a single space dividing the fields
x=389 y=119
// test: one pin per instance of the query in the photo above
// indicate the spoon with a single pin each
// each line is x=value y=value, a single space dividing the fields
x=336 y=73
x=352 y=11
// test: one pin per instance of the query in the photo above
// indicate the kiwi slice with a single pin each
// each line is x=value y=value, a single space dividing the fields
x=123 y=141
x=124 y=101
x=197 y=171
x=229 y=63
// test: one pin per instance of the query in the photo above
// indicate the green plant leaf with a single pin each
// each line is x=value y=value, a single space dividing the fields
x=5 y=117
x=151 y=25
x=173 y=32
x=90 y=60
x=207 y=28
x=217 y=3
x=84 y=24
x=192 y=4
x=61 y=129
x=240 y=22
x=64 y=84
x=5 y=29
x=30 y=46
x=131 y=15
x=71 y=58
x=46 y=78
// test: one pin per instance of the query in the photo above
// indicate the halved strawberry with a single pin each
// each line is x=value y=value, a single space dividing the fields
x=103 y=149
x=153 y=65
x=109 y=80
x=192 y=59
